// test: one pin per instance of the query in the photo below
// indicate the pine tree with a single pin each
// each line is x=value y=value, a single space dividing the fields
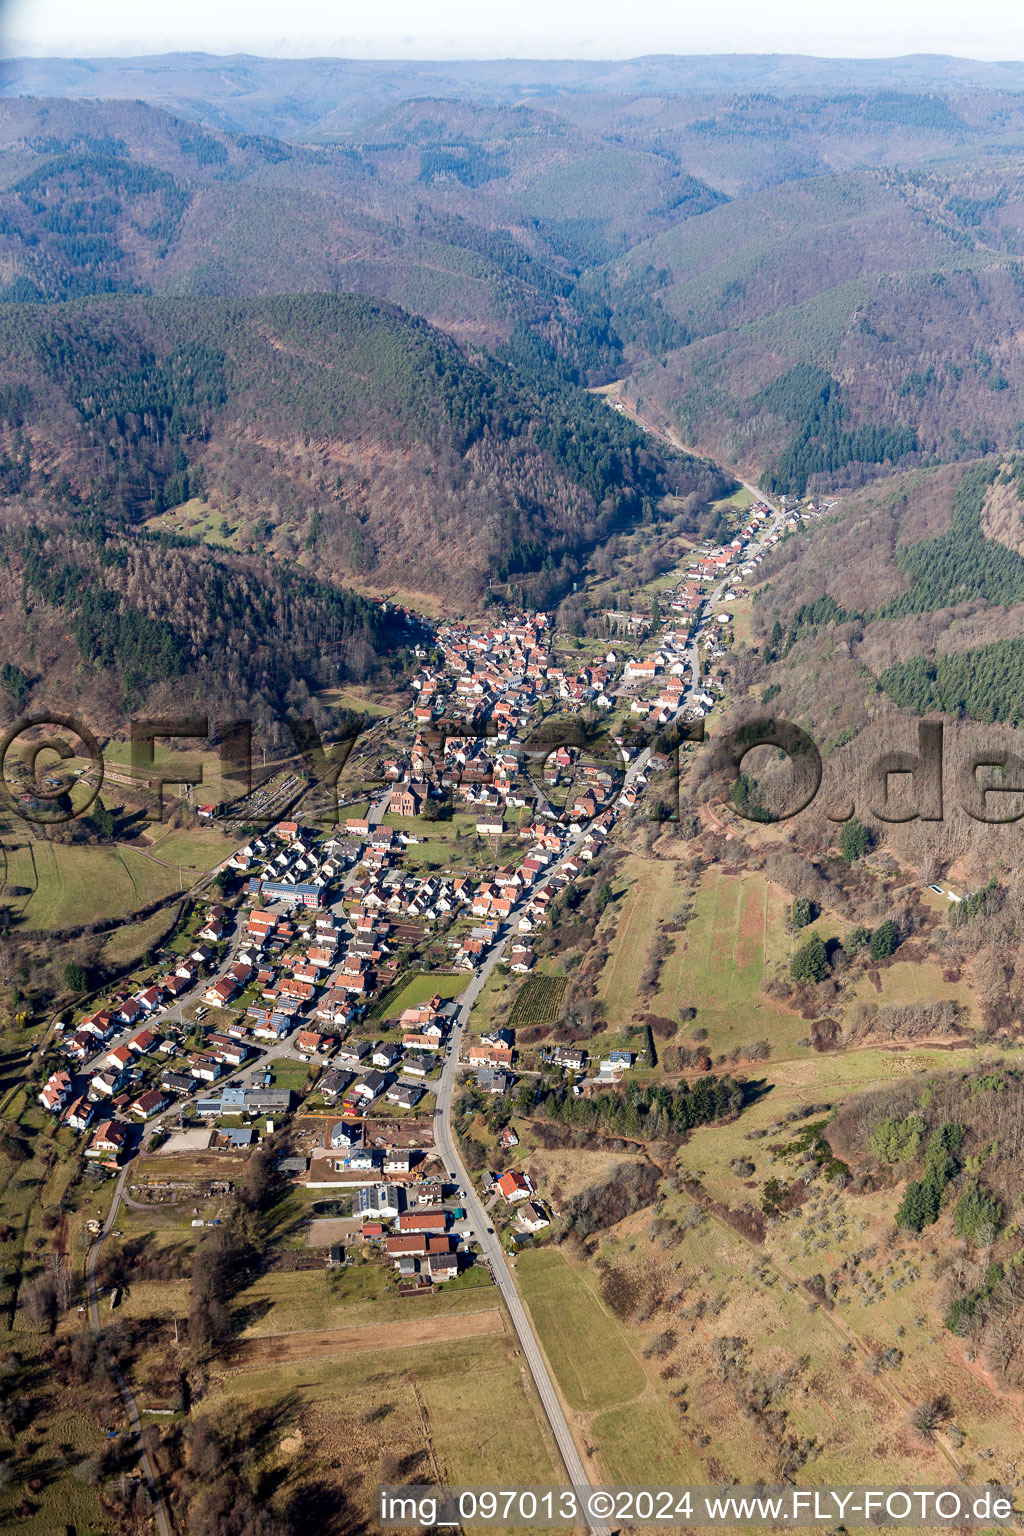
x=810 y=963
x=884 y=941
x=854 y=840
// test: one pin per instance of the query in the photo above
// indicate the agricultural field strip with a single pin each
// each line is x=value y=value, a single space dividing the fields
x=361 y=1338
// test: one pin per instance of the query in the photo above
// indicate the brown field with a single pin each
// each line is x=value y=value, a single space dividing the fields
x=564 y=1173
x=285 y=1349
x=464 y=1413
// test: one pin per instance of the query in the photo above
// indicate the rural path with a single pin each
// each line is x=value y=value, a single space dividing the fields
x=127 y=1397
x=638 y=414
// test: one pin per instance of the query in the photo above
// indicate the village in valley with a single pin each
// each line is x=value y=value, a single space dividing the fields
x=511 y=782
x=389 y=1021
x=327 y=954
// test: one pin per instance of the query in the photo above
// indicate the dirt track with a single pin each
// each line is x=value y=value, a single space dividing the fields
x=284 y=1348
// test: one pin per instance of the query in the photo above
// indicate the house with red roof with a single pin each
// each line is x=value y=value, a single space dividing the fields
x=515 y=1186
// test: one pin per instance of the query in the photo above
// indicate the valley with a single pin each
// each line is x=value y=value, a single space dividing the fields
x=445 y=1056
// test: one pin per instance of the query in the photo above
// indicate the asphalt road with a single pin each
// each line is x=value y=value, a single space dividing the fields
x=492 y=1249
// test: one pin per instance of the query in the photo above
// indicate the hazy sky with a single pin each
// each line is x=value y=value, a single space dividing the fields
x=989 y=29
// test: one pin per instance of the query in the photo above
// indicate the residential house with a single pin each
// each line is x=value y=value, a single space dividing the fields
x=227 y=1049
x=421 y=1042
x=177 y=1082
x=515 y=1186
x=105 y=1084
x=370 y=1087
x=404 y=1095
x=55 y=1092
x=79 y=1114
x=148 y=1104
x=382 y=1201
x=108 y=1143
x=220 y=992
x=310 y=1041
x=412 y=1245
x=418 y=1066
x=532 y=1217
x=353 y=1053
x=206 y=1069
x=490 y=1055
x=120 y=1058
x=570 y=1057
x=423 y=1221
x=493 y=1080
x=333 y=1084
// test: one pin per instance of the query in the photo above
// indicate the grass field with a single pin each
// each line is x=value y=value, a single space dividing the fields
x=358 y=699
x=420 y=989
x=365 y=1293
x=286 y=1073
x=918 y=982
x=462 y=1413
x=214 y=787
x=66 y=886
x=652 y=892
x=415 y=1329
x=128 y=944
x=626 y=1416
x=441 y=843
x=196 y=851
x=893 y=1300
x=736 y=938
x=648 y=1392
x=588 y=1348
x=735 y=941
x=70 y=1504
x=73 y=885
x=491 y=1001
x=195 y=519
x=741 y=621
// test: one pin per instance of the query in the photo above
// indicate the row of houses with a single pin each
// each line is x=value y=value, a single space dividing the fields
x=111 y=1019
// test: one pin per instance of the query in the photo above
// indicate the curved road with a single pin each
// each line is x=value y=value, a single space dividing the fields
x=130 y=1408
x=493 y=1251
x=445 y=1140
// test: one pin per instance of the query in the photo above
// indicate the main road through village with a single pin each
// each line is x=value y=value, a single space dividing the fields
x=445 y=1140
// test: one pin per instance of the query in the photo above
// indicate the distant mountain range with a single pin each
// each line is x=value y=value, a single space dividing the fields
x=343 y=318
x=290 y=97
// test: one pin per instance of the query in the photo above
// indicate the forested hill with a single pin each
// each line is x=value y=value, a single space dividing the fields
x=477 y=219
x=907 y=601
x=820 y=287
x=115 y=623
x=329 y=431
